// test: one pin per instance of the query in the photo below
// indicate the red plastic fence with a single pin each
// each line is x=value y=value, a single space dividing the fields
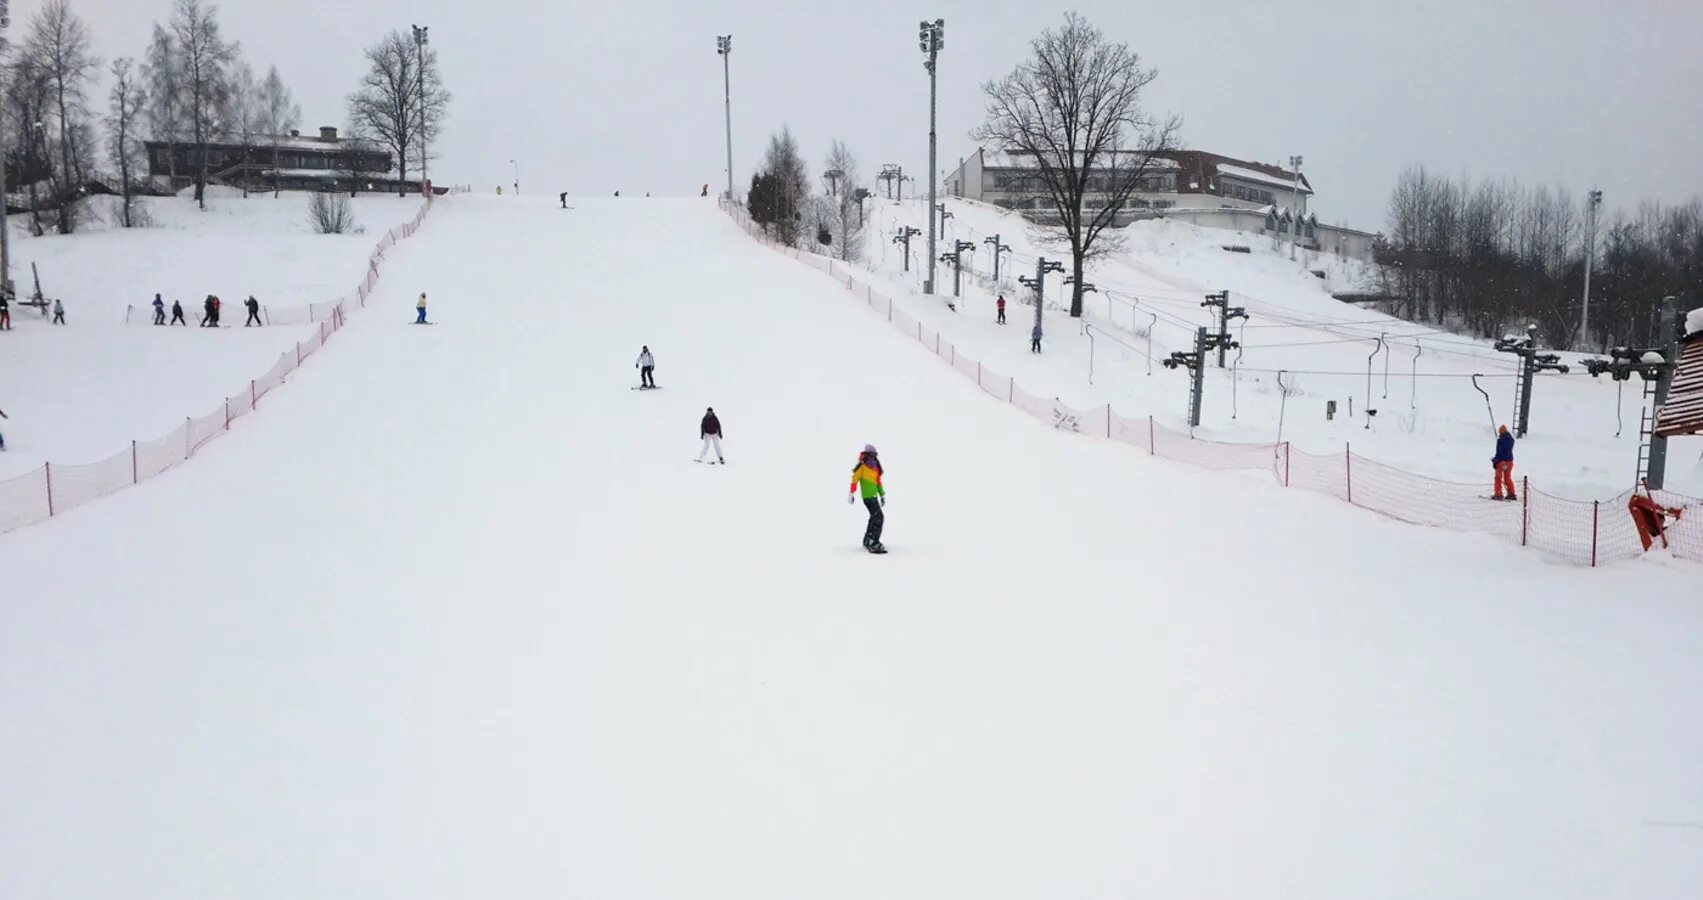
x=55 y=488
x=1582 y=532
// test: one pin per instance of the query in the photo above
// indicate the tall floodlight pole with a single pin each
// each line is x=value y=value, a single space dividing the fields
x=1295 y=235
x=1594 y=200
x=420 y=41
x=931 y=37
x=724 y=47
x=5 y=221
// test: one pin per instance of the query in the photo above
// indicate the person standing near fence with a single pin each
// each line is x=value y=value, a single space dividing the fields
x=253 y=311
x=1503 y=461
x=58 y=312
x=177 y=314
x=159 y=310
x=646 y=364
x=710 y=430
x=866 y=478
x=1001 y=307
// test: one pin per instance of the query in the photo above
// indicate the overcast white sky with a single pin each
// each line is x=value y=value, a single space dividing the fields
x=627 y=94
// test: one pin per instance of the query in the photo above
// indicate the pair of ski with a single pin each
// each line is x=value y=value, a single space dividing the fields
x=1504 y=499
x=713 y=462
x=644 y=387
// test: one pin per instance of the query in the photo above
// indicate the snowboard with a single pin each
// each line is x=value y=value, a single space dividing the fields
x=644 y=388
x=713 y=462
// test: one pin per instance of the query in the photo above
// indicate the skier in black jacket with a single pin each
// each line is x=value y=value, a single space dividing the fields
x=253 y=311
x=710 y=430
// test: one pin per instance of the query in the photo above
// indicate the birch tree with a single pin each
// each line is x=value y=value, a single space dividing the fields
x=126 y=101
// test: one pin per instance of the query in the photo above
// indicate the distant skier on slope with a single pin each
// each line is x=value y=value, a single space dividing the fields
x=2 y=436
x=646 y=364
x=866 y=475
x=710 y=430
x=5 y=311
x=1503 y=462
x=1001 y=307
x=177 y=314
x=58 y=312
x=420 y=309
x=207 y=313
x=1035 y=338
x=564 y=197
x=159 y=310
x=253 y=311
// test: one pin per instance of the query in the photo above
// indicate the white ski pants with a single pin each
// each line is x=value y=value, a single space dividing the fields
x=711 y=440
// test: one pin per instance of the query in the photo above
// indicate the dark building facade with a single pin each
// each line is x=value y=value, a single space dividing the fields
x=288 y=162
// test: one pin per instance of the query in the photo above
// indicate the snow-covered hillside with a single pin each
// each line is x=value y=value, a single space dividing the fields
x=1430 y=419
x=473 y=623
x=79 y=393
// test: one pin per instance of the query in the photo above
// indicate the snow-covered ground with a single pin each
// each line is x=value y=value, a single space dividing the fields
x=84 y=391
x=1435 y=424
x=471 y=622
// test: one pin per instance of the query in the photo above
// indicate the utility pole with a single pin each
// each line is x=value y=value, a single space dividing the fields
x=944 y=215
x=998 y=248
x=932 y=38
x=1592 y=201
x=860 y=195
x=833 y=176
x=1038 y=283
x=420 y=41
x=1226 y=312
x=1295 y=234
x=1531 y=363
x=955 y=258
x=904 y=237
x=724 y=47
x=902 y=179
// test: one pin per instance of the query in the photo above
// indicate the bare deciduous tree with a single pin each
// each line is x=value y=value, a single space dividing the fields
x=58 y=44
x=242 y=116
x=847 y=228
x=29 y=161
x=163 y=75
x=125 y=104
x=780 y=192
x=1075 y=109
x=278 y=114
x=401 y=101
x=205 y=60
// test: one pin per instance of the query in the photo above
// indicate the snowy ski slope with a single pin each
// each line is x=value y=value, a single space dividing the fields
x=1430 y=419
x=456 y=615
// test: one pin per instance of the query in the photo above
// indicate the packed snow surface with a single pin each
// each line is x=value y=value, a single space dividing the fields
x=456 y=615
x=84 y=391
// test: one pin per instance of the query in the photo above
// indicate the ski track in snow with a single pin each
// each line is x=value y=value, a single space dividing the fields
x=455 y=616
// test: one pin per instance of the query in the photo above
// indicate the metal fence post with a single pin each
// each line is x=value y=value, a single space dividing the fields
x=1285 y=463
x=1152 y=443
x=1525 y=507
x=1596 y=508
x=1348 y=469
x=134 y=478
x=47 y=471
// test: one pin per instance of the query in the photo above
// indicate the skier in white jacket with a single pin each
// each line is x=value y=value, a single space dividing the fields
x=645 y=364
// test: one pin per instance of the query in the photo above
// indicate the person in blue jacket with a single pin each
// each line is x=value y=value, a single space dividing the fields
x=1503 y=461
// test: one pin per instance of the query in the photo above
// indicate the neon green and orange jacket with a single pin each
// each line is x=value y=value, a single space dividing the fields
x=870 y=479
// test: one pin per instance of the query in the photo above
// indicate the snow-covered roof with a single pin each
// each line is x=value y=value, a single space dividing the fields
x=1009 y=159
x=1258 y=177
x=1694 y=321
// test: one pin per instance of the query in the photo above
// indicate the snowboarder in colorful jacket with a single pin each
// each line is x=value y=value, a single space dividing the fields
x=866 y=477
x=1504 y=463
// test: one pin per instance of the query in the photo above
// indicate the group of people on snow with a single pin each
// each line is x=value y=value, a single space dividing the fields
x=6 y=311
x=866 y=474
x=211 y=308
x=1034 y=333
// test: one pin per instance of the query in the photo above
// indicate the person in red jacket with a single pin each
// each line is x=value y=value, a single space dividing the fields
x=1001 y=306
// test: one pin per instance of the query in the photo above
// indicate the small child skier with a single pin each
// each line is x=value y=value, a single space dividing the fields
x=58 y=312
x=1035 y=339
x=866 y=475
x=159 y=310
x=420 y=308
x=1001 y=306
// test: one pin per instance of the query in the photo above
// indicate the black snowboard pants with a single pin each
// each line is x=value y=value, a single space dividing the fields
x=872 y=534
